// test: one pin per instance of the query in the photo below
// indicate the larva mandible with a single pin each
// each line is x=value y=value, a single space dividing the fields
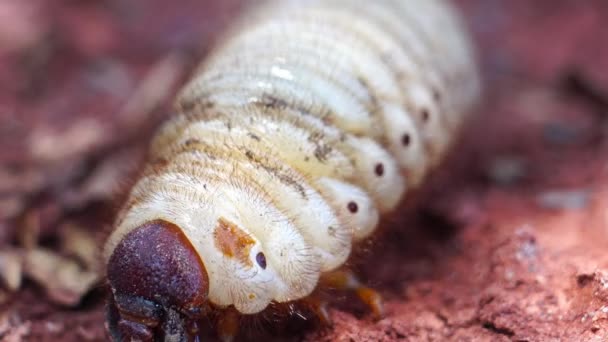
x=309 y=121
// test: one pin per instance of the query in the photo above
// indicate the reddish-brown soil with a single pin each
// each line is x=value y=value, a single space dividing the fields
x=507 y=241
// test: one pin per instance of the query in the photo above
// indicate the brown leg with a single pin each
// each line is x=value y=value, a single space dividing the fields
x=373 y=300
x=346 y=280
x=228 y=324
x=319 y=308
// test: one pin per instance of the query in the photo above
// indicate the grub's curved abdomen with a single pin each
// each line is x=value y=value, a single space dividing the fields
x=309 y=121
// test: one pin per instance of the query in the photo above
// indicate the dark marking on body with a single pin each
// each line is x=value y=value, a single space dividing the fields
x=379 y=169
x=253 y=136
x=273 y=102
x=199 y=104
x=277 y=172
x=228 y=124
x=373 y=99
x=322 y=150
x=260 y=258
x=405 y=139
x=436 y=94
x=191 y=142
x=193 y=145
x=426 y=115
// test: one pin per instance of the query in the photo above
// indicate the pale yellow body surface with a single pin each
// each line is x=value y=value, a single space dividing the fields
x=309 y=121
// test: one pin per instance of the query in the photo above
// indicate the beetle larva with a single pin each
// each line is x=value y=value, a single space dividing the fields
x=306 y=124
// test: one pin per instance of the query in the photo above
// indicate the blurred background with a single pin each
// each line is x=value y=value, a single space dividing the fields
x=506 y=242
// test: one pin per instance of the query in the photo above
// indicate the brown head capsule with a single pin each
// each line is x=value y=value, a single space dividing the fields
x=158 y=285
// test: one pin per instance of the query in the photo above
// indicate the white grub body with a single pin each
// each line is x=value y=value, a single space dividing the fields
x=309 y=121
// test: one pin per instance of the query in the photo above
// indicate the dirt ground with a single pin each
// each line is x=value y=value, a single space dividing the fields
x=506 y=242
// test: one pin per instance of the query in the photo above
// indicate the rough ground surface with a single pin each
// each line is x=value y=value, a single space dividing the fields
x=506 y=242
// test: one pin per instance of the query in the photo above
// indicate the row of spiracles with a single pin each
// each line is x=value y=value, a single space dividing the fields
x=307 y=122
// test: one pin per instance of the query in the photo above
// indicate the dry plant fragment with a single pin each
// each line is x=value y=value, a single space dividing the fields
x=50 y=146
x=12 y=329
x=80 y=244
x=152 y=91
x=64 y=280
x=11 y=269
x=103 y=182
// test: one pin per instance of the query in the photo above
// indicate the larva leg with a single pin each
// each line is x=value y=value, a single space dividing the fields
x=347 y=280
x=228 y=324
x=319 y=307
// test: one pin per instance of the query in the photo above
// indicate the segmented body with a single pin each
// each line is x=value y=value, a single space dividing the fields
x=309 y=121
